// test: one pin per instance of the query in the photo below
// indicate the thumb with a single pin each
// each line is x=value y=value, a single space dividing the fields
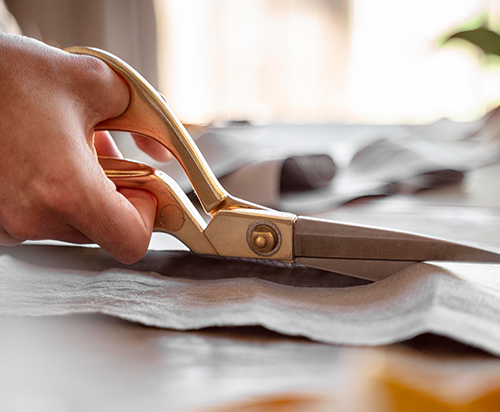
x=120 y=221
x=145 y=204
x=135 y=241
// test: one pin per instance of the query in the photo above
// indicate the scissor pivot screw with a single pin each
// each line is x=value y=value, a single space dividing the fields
x=263 y=239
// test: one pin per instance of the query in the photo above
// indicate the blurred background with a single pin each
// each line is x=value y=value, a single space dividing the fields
x=323 y=60
x=356 y=61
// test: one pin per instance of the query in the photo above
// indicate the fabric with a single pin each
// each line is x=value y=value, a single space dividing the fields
x=335 y=163
x=260 y=173
x=182 y=291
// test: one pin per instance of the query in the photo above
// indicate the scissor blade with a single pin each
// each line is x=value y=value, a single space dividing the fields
x=364 y=269
x=317 y=238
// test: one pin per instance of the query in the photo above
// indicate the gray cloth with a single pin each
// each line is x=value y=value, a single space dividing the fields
x=181 y=291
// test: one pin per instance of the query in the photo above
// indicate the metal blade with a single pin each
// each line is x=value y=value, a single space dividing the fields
x=364 y=269
x=319 y=238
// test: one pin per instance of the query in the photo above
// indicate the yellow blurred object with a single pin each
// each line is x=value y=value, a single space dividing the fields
x=396 y=379
x=282 y=403
x=409 y=399
x=419 y=383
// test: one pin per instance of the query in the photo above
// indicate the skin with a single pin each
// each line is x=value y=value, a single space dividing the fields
x=52 y=186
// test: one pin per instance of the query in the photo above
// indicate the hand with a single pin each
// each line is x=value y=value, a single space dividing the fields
x=51 y=185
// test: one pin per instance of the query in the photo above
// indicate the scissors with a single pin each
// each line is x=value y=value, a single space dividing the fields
x=237 y=228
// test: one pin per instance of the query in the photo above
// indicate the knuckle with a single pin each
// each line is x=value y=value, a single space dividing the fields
x=103 y=92
x=93 y=65
x=88 y=69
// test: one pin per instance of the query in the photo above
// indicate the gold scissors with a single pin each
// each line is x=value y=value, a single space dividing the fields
x=237 y=228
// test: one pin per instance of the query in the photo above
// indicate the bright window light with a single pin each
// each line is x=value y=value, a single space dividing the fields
x=322 y=60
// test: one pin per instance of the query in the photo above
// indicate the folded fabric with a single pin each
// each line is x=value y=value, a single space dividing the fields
x=311 y=168
x=387 y=166
x=249 y=169
x=182 y=291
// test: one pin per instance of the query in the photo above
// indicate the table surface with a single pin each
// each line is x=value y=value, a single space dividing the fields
x=96 y=362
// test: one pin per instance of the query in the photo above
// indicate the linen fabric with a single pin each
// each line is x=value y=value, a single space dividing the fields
x=172 y=289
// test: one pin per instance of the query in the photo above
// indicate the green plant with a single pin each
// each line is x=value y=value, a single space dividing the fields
x=478 y=32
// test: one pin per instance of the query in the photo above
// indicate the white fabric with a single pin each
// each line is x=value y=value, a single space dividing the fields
x=371 y=160
x=458 y=300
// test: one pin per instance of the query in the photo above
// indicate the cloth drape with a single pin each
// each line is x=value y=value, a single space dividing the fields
x=174 y=289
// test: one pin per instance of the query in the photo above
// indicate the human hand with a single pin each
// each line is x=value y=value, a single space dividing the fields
x=51 y=185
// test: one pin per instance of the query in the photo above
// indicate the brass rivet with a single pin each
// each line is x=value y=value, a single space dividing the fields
x=260 y=241
x=263 y=239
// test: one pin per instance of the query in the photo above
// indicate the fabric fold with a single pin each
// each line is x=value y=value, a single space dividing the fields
x=457 y=300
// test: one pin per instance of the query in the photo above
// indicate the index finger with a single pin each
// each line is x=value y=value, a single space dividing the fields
x=156 y=150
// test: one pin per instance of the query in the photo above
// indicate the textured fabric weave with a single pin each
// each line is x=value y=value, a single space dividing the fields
x=458 y=300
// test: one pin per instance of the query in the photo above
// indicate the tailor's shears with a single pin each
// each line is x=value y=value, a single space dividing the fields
x=242 y=229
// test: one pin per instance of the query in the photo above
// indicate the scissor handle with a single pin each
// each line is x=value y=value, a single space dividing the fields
x=175 y=214
x=148 y=114
x=235 y=225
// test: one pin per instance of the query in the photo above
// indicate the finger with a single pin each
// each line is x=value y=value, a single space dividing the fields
x=7 y=240
x=106 y=94
x=136 y=225
x=68 y=234
x=105 y=145
x=120 y=223
x=40 y=226
x=145 y=204
x=156 y=150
